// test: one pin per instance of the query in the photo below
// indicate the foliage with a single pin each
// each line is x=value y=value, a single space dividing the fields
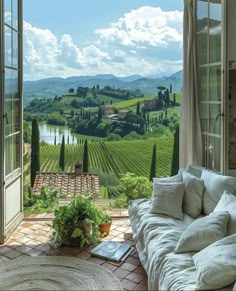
x=70 y=221
x=56 y=119
x=104 y=218
x=35 y=151
x=121 y=201
x=175 y=156
x=26 y=132
x=85 y=157
x=153 y=164
x=62 y=155
x=45 y=201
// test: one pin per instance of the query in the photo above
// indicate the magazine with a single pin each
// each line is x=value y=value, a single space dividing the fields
x=112 y=250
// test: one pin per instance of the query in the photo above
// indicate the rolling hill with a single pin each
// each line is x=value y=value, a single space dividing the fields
x=48 y=88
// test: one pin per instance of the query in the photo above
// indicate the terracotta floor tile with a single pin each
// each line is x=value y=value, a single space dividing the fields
x=13 y=254
x=133 y=261
x=26 y=231
x=23 y=249
x=26 y=224
x=17 y=234
x=136 y=278
x=23 y=240
x=141 y=287
x=83 y=255
x=118 y=239
x=96 y=260
x=121 y=274
x=4 y=250
x=33 y=253
x=43 y=248
x=3 y=259
x=140 y=270
x=110 y=267
x=128 y=267
x=128 y=285
x=115 y=232
x=33 y=243
x=14 y=244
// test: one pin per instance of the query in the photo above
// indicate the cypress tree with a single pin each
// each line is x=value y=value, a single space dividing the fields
x=175 y=155
x=153 y=164
x=62 y=154
x=99 y=113
x=55 y=140
x=35 y=148
x=85 y=157
x=68 y=139
x=138 y=109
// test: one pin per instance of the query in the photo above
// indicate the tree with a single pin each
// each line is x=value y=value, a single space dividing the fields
x=62 y=155
x=170 y=88
x=99 y=113
x=68 y=139
x=174 y=99
x=138 y=109
x=175 y=155
x=71 y=90
x=85 y=157
x=55 y=140
x=153 y=164
x=35 y=149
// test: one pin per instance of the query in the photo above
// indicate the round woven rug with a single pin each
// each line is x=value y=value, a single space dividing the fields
x=55 y=273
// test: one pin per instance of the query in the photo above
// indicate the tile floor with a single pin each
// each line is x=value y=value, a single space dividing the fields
x=32 y=238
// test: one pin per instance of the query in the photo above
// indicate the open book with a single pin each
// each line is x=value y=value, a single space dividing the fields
x=112 y=250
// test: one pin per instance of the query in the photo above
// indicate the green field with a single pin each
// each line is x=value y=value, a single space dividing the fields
x=118 y=157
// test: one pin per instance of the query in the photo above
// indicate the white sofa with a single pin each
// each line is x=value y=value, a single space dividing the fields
x=156 y=237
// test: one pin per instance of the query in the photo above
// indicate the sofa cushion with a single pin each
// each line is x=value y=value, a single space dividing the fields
x=194 y=187
x=167 y=199
x=228 y=203
x=215 y=185
x=173 y=179
x=203 y=232
x=216 y=264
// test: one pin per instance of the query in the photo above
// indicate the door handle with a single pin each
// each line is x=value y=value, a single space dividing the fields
x=219 y=115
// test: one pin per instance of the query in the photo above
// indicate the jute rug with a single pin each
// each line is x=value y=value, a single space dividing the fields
x=55 y=273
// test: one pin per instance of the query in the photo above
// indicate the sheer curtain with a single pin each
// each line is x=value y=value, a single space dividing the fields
x=190 y=128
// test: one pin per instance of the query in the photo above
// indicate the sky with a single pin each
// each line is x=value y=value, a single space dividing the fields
x=64 y=38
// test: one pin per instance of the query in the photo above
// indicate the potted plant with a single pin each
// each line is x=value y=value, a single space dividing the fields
x=104 y=223
x=76 y=224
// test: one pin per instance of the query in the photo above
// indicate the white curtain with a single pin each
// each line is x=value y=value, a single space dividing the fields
x=190 y=129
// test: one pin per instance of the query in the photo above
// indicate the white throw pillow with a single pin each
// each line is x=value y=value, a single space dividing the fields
x=167 y=199
x=203 y=232
x=228 y=203
x=215 y=185
x=216 y=264
x=173 y=179
x=194 y=187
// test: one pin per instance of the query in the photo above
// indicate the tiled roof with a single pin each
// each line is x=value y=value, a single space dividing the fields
x=68 y=183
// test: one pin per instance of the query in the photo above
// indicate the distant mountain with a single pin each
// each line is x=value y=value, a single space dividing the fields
x=48 y=88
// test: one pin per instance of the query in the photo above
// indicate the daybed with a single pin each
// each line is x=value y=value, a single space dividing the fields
x=177 y=256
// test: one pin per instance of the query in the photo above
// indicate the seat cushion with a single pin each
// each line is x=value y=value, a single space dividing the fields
x=215 y=185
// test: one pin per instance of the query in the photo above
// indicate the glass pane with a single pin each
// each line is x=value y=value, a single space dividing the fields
x=12 y=158
x=203 y=84
x=7 y=14
x=8 y=46
x=11 y=84
x=202 y=15
x=214 y=155
x=215 y=83
x=15 y=50
x=204 y=116
x=12 y=121
x=202 y=48
x=215 y=31
x=205 y=150
x=15 y=13
x=215 y=119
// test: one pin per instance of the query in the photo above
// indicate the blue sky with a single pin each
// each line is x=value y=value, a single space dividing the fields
x=122 y=37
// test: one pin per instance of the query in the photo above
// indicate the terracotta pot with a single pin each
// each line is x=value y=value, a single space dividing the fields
x=104 y=228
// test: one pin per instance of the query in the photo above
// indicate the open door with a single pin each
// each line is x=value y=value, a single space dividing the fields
x=211 y=80
x=11 y=142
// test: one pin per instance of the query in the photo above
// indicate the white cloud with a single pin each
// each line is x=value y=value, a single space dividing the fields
x=146 y=25
x=144 y=41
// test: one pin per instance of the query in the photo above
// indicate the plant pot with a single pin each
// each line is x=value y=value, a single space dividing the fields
x=76 y=241
x=104 y=228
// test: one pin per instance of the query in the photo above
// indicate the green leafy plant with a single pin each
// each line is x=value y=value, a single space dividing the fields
x=104 y=218
x=78 y=222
